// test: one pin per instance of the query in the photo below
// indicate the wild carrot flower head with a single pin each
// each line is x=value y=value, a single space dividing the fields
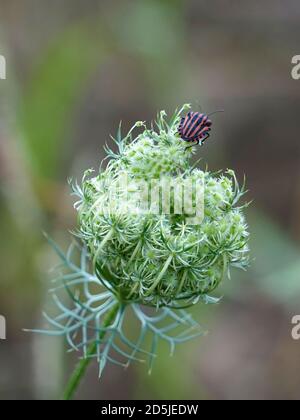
x=154 y=231
x=139 y=233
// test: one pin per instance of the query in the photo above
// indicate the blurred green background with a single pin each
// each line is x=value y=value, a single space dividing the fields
x=74 y=70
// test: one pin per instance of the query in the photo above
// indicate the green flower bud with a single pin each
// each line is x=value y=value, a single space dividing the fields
x=155 y=231
x=176 y=263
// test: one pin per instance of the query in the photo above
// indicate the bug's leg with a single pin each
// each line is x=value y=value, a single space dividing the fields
x=205 y=138
x=192 y=140
x=197 y=140
x=190 y=146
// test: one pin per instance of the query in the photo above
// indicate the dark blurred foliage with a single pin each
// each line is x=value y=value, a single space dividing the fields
x=78 y=67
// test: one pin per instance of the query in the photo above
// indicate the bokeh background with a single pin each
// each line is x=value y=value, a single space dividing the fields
x=74 y=70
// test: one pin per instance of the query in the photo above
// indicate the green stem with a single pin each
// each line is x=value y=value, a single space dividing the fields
x=81 y=368
x=133 y=290
x=137 y=248
x=181 y=282
x=162 y=273
x=103 y=243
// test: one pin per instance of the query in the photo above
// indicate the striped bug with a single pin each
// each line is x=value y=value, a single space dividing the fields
x=195 y=127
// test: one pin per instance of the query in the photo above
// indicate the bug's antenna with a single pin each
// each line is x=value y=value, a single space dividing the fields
x=198 y=105
x=218 y=110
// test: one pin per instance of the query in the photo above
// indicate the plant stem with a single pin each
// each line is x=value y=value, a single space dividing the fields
x=81 y=367
x=181 y=282
x=137 y=248
x=103 y=243
x=162 y=273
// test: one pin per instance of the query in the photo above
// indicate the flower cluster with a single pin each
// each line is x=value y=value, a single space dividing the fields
x=160 y=259
x=141 y=246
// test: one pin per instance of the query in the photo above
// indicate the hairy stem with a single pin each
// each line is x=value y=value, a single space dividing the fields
x=81 y=368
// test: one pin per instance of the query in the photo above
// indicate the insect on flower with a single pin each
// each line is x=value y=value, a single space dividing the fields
x=195 y=127
x=138 y=265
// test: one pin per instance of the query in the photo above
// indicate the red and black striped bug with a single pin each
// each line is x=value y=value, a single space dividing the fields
x=195 y=127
